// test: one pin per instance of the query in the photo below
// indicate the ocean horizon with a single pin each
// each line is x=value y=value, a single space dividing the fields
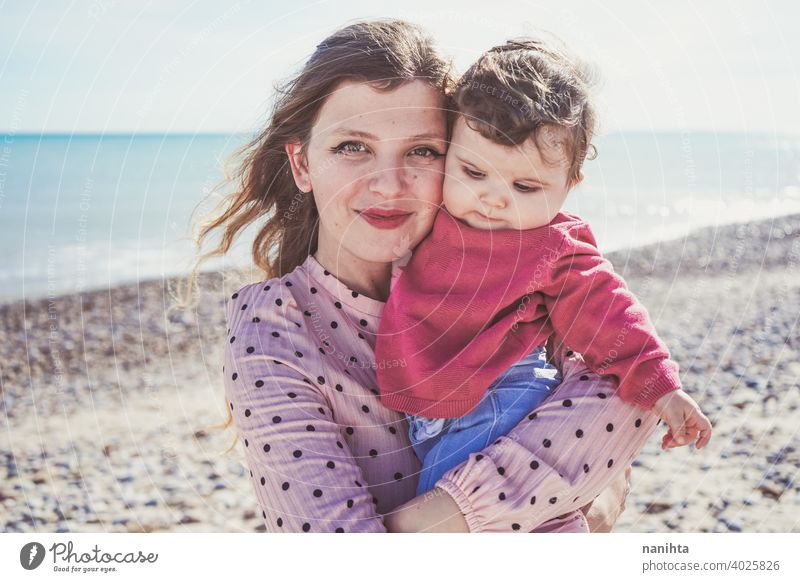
x=91 y=211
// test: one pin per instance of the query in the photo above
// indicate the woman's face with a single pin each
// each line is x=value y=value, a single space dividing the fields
x=375 y=163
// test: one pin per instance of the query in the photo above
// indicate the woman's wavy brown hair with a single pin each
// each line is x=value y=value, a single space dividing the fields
x=384 y=53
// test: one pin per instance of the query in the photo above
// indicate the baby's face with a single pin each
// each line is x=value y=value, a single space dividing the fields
x=492 y=187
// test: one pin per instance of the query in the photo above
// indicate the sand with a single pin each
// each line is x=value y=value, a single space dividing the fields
x=107 y=399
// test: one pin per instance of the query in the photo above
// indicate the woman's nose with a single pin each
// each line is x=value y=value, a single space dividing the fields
x=388 y=181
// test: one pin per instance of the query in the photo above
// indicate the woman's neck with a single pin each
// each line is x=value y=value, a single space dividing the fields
x=367 y=278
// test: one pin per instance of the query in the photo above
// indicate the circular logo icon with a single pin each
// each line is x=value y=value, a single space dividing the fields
x=31 y=555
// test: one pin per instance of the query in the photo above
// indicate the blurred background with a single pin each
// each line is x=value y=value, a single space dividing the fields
x=117 y=120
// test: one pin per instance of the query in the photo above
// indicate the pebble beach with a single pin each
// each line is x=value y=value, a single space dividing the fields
x=111 y=400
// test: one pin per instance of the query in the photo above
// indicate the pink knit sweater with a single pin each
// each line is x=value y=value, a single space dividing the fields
x=471 y=302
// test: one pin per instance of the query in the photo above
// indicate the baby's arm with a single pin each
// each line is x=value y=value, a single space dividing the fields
x=594 y=313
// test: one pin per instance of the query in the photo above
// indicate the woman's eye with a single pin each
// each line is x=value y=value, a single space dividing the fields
x=350 y=147
x=473 y=173
x=526 y=188
x=426 y=152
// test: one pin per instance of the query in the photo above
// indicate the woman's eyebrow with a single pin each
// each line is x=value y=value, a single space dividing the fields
x=366 y=135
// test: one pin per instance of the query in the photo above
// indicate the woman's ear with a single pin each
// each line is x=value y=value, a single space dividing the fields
x=299 y=165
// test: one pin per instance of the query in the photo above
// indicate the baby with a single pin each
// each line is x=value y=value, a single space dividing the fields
x=503 y=270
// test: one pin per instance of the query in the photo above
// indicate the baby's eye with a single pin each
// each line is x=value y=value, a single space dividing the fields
x=350 y=147
x=473 y=173
x=526 y=187
x=426 y=152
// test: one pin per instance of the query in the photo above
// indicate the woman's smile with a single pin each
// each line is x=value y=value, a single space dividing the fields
x=385 y=218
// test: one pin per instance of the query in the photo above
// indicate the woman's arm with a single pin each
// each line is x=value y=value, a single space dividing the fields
x=576 y=445
x=302 y=470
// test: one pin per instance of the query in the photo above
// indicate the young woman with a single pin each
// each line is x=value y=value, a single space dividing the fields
x=347 y=177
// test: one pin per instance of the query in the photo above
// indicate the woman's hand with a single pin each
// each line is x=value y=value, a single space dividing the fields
x=431 y=512
x=603 y=512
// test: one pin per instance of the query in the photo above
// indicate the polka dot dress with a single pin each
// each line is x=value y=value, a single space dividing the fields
x=326 y=456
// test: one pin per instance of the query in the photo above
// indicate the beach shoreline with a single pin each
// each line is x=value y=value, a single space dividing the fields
x=109 y=398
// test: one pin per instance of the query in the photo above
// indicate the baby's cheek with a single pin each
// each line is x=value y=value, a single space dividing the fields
x=455 y=199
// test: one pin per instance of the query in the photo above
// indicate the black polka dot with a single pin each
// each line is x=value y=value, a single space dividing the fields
x=280 y=522
x=267 y=288
x=263 y=481
x=320 y=380
x=317 y=492
x=247 y=412
x=276 y=419
x=392 y=430
x=358 y=483
x=339 y=388
x=609 y=427
x=244 y=306
x=533 y=500
x=297 y=454
x=567 y=403
x=373 y=453
x=398 y=476
x=334 y=325
x=231 y=405
x=360 y=335
x=234 y=296
x=310 y=428
x=313 y=289
x=246 y=443
x=256 y=319
x=275 y=334
x=306 y=526
x=264 y=514
x=478 y=458
x=233 y=339
x=326 y=272
x=601 y=396
x=586 y=468
x=365 y=408
x=553 y=500
x=610 y=462
x=354 y=293
x=330 y=465
x=476 y=488
x=501 y=470
x=285 y=486
x=321 y=410
x=515 y=526
x=235 y=375
x=267 y=448
x=339 y=444
x=579 y=433
x=278 y=302
x=353 y=359
x=299 y=354
x=533 y=415
x=502 y=496
x=349 y=430
x=363 y=323
x=339 y=530
x=321 y=351
x=259 y=383
x=638 y=423
x=546 y=443
x=338 y=305
x=349 y=503
x=534 y=465
x=307 y=313
x=288 y=283
x=291 y=395
x=570 y=353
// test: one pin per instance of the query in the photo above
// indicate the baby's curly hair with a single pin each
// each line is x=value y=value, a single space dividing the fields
x=529 y=87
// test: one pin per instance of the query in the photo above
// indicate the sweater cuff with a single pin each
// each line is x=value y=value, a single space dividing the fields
x=473 y=523
x=662 y=380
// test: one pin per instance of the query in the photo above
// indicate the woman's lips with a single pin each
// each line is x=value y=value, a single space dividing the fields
x=384 y=218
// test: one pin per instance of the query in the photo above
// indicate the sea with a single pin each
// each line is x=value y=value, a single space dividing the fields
x=84 y=212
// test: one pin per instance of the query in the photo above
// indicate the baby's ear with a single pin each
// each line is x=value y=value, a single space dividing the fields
x=299 y=165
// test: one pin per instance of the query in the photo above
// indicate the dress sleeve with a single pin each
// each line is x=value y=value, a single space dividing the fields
x=563 y=455
x=593 y=312
x=303 y=472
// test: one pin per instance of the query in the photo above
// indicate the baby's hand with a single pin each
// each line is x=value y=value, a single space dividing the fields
x=685 y=420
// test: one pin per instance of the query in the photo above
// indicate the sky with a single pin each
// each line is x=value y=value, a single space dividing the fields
x=198 y=66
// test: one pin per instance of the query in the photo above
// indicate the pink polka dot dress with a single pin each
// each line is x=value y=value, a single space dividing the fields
x=326 y=456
